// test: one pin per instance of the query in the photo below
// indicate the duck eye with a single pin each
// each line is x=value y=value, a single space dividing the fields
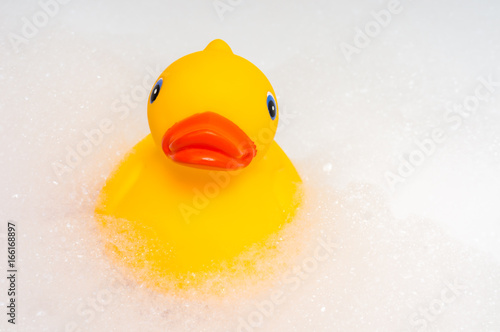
x=271 y=105
x=156 y=90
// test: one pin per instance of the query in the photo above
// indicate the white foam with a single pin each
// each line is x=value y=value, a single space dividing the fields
x=424 y=255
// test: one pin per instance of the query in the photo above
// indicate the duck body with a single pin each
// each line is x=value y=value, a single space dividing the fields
x=209 y=182
x=199 y=218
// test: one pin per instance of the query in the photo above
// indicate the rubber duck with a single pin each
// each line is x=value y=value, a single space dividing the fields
x=209 y=181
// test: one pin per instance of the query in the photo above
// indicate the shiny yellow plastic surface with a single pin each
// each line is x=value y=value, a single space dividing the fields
x=173 y=219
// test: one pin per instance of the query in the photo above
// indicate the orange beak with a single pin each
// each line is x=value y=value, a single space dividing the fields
x=208 y=140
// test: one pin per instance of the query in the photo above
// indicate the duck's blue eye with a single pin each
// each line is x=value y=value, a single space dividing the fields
x=156 y=91
x=271 y=106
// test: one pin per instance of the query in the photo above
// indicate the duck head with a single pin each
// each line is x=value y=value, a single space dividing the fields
x=213 y=109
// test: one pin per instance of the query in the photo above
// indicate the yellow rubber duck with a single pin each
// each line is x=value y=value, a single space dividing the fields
x=209 y=181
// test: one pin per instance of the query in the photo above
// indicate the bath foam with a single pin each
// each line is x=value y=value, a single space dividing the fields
x=381 y=268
